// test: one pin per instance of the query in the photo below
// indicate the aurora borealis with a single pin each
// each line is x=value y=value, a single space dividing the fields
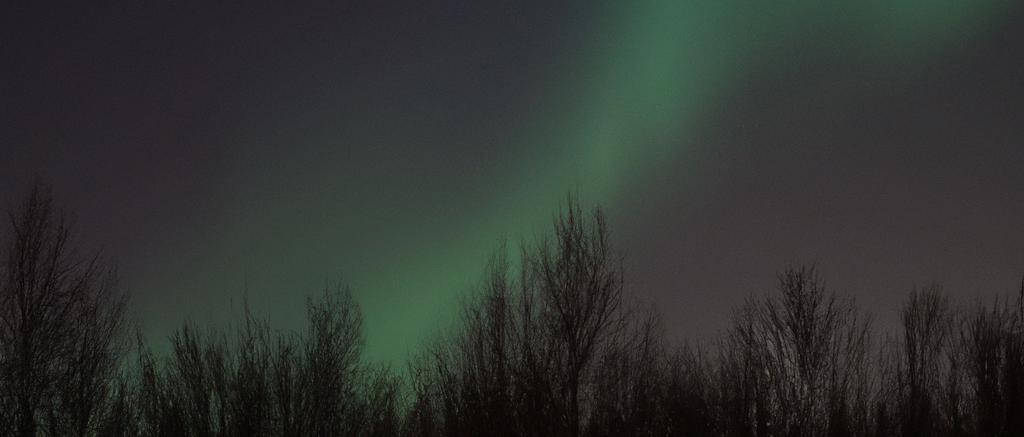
x=393 y=145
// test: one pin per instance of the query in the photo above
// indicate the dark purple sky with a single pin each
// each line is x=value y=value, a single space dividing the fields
x=392 y=145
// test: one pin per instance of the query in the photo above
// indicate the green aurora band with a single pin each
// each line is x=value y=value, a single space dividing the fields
x=624 y=109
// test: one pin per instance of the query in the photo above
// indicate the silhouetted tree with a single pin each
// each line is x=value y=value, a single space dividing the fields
x=533 y=356
x=464 y=383
x=330 y=366
x=581 y=312
x=252 y=405
x=261 y=382
x=795 y=363
x=121 y=418
x=688 y=401
x=423 y=417
x=994 y=346
x=62 y=326
x=926 y=365
x=631 y=383
x=380 y=403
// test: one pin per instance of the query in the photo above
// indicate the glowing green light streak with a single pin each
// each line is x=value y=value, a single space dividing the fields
x=661 y=64
x=643 y=83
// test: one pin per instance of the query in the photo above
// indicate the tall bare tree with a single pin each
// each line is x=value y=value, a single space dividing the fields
x=923 y=371
x=331 y=365
x=994 y=346
x=576 y=281
x=62 y=325
x=529 y=353
x=796 y=362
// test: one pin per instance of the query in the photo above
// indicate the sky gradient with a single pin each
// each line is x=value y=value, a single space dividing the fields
x=392 y=146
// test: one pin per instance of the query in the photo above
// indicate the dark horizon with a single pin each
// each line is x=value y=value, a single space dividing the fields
x=550 y=343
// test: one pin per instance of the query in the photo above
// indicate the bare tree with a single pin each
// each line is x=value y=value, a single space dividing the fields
x=422 y=418
x=380 y=403
x=796 y=362
x=328 y=378
x=925 y=364
x=631 y=384
x=62 y=325
x=464 y=383
x=251 y=408
x=255 y=381
x=581 y=311
x=994 y=346
x=529 y=354
x=689 y=398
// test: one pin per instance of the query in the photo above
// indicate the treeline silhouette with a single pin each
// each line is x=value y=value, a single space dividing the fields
x=548 y=344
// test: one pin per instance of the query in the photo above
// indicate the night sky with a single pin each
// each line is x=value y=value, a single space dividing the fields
x=392 y=145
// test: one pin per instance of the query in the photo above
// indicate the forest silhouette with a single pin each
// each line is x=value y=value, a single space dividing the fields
x=549 y=343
